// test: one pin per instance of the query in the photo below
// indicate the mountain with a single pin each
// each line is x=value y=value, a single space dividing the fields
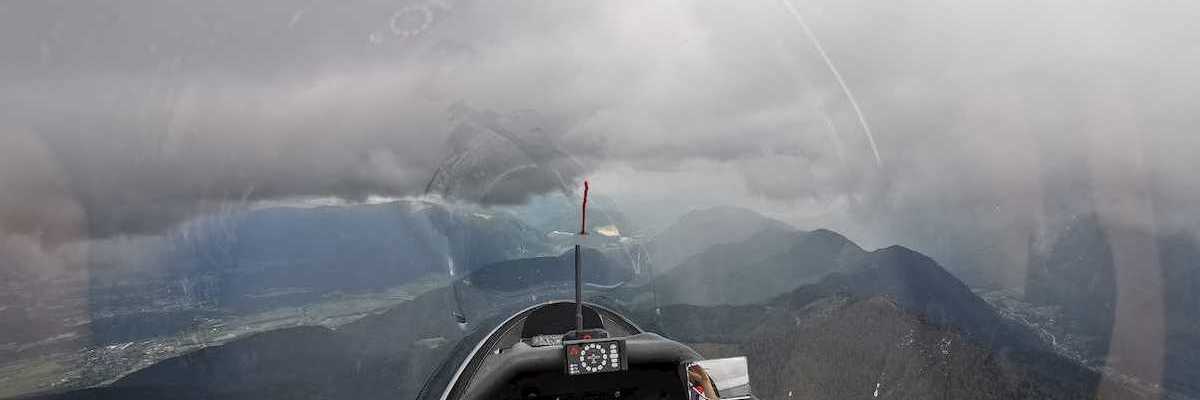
x=701 y=229
x=889 y=323
x=527 y=273
x=771 y=262
x=919 y=285
x=1077 y=273
x=840 y=338
x=844 y=347
x=1075 y=270
x=823 y=263
x=893 y=321
x=836 y=267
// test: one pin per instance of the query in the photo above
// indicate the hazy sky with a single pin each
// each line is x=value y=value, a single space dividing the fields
x=992 y=120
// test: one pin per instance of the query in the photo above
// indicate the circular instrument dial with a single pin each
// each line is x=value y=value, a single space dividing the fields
x=593 y=357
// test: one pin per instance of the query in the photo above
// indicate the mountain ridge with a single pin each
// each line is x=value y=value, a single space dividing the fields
x=700 y=229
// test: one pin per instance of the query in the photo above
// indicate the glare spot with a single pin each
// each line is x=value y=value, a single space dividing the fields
x=608 y=230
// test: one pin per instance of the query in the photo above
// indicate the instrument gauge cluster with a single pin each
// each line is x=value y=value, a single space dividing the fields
x=595 y=356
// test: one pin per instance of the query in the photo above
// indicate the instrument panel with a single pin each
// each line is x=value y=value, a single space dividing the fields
x=595 y=356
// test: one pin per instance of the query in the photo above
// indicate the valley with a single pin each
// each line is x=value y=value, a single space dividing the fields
x=92 y=364
x=818 y=316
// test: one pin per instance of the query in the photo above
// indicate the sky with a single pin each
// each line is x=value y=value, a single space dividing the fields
x=964 y=129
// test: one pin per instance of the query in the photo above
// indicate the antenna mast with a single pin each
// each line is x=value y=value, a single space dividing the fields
x=578 y=262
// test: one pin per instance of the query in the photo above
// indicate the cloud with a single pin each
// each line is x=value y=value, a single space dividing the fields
x=989 y=117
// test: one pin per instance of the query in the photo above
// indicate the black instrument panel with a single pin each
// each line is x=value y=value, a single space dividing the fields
x=595 y=356
x=656 y=381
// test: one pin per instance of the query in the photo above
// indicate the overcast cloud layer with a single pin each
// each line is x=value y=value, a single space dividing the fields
x=991 y=118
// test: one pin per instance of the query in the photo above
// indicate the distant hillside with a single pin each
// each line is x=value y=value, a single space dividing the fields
x=556 y=212
x=894 y=321
x=527 y=273
x=1075 y=268
x=771 y=262
x=822 y=263
x=803 y=267
x=700 y=229
x=846 y=348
